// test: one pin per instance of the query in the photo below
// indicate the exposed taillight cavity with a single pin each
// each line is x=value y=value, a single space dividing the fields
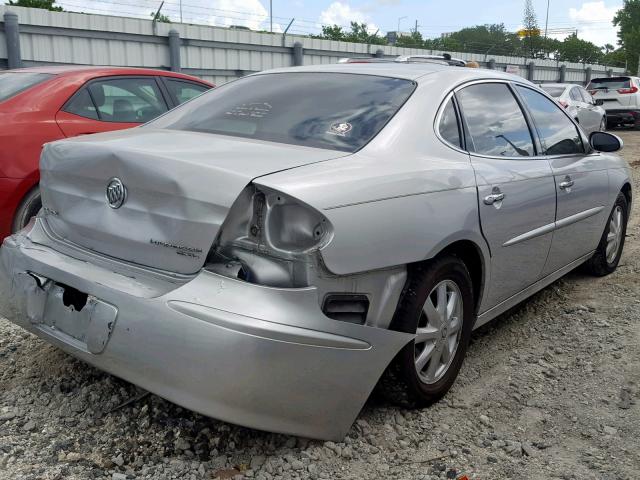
x=624 y=91
x=563 y=103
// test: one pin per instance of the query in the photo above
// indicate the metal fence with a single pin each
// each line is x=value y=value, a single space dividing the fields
x=31 y=37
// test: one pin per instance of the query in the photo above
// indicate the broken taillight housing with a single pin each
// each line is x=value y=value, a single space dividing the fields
x=266 y=237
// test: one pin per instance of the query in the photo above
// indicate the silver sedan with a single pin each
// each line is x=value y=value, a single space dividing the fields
x=272 y=250
x=579 y=103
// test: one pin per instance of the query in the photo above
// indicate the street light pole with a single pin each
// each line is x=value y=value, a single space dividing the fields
x=399 y=20
x=271 y=16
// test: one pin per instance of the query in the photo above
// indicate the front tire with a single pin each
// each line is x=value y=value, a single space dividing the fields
x=438 y=306
x=29 y=207
x=607 y=256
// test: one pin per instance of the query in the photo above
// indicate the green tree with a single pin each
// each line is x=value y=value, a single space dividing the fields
x=44 y=4
x=414 y=40
x=358 y=34
x=573 y=49
x=628 y=21
x=162 y=18
x=531 y=30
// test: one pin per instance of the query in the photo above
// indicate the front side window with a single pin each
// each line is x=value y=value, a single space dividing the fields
x=558 y=134
x=12 y=83
x=183 y=91
x=495 y=121
x=448 y=127
x=335 y=111
x=127 y=100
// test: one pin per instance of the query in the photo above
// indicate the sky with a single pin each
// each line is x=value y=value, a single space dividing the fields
x=592 y=19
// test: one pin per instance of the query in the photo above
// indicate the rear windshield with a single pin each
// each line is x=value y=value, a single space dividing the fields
x=324 y=110
x=613 y=83
x=12 y=83
x=553 y=91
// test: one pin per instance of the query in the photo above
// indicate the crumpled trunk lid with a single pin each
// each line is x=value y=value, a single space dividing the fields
x=179 y=188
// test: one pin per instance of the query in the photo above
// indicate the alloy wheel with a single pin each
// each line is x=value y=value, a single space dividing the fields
x=439 y=331
x=614 y=237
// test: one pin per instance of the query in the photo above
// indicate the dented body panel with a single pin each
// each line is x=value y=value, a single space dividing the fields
x=256 y=281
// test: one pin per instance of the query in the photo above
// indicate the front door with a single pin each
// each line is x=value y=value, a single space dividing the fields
x=516 y=190
x=580 y=179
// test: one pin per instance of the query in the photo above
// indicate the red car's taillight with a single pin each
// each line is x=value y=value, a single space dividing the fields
x=593 y=92
x=628 y=90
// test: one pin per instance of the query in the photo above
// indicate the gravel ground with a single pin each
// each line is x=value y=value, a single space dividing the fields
x=548 y=391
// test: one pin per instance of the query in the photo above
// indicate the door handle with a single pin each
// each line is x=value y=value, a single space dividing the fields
x=567 y=183
x=496 y=196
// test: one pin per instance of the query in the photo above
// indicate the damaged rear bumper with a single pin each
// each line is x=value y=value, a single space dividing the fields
x=261 y=357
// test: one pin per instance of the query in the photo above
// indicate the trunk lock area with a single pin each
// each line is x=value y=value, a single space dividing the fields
x=72 y=316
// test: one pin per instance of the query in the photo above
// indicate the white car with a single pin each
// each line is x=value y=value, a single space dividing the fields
x=579 y=103
x=620 y=97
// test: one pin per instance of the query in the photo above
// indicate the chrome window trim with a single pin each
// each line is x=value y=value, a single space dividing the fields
x=456 y=89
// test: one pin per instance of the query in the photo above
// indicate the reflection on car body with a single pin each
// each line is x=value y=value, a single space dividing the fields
x=355 y=223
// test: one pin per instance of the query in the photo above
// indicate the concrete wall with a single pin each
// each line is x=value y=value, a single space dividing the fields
x=213 y=53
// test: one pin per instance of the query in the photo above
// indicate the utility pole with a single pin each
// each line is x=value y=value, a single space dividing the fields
x=416 y=29
x=546 y=23
x=271 y=16
x=181 y=11
x=399 y=20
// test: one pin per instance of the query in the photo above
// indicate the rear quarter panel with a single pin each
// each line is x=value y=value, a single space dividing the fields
x=401 y=199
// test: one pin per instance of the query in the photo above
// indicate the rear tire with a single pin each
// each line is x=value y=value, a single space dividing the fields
x=607 y=256
x=29 y=207
x=426 y=368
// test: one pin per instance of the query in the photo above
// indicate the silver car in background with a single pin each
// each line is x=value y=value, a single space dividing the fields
x=580 y=105
x=272 y=250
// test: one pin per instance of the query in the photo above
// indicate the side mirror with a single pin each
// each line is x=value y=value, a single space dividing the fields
x=605 y=142
x=598 y=102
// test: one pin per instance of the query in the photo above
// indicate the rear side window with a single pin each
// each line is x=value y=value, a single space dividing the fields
x=127 y=100
x=495 y=121
x=586 y=96
x=611 y=83
x=12 y=83
x=335 y=111
x=81 y=104
x=558 y=134
x=183 y=91
x=448 y=128
x=575 y=94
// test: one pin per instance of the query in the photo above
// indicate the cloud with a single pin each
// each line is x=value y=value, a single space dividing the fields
x=339 y=13
x=593 y=20
x=246 y=13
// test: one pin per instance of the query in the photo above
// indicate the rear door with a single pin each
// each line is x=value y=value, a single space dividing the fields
x=593 y=111
x=516 y=191
x=582 y=112
x=113 y=103
x=581 y=182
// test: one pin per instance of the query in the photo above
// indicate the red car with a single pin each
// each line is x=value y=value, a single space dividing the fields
x=39 y=105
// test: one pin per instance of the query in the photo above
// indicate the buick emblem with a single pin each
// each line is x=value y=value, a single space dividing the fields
x=116 y=193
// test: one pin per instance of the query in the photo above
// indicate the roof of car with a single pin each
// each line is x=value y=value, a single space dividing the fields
x=408 y=71
x=86 y=71
x=564 y=85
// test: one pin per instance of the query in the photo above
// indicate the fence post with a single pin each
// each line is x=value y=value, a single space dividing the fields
x=491 y=64
x=563 y=73
x=379 y=53
x=587 y=75
x=174 y=50
x=531 y=69
x=298 y=54
x=12 y=37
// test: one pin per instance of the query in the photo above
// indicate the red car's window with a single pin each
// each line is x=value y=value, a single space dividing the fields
x=12 y=83
x=120 y=100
